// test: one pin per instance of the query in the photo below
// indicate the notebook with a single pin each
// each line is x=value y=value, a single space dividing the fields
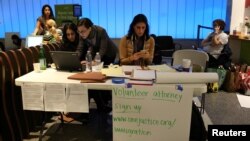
x=66 y=61
x=34 y=40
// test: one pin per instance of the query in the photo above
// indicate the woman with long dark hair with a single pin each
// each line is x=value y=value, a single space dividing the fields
x=47 y=14
x=70 y=37
x=137 y=46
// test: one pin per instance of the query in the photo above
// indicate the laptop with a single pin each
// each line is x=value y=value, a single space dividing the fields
x=66 y=61
x=34 y=40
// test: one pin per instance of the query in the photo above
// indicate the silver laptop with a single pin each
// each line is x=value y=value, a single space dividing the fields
x=33 y=40
x=66 y=61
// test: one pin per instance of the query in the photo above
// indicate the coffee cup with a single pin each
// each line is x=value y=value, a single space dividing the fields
x=36 y=67
x=186 y=64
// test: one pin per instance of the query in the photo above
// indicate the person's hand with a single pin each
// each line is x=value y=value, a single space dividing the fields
x=144 y=54
x=136 y=56
x=83 y=62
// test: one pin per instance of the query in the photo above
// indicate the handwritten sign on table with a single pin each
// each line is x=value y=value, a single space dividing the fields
x=151 y=113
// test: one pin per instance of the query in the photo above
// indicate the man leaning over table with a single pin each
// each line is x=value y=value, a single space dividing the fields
x=95 y=39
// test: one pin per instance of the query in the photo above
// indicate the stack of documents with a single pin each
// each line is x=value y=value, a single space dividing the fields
x=142 y=77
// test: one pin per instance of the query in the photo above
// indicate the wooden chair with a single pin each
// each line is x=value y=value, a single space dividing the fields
x=56 y=46
x=22 y=62
x=18 y=95
x=34 y=118
x=5 y=120
x=47 y=50
x=8 y=96
x=35 y=52
x=29 y=57
x=51 y=47
x=14 y=63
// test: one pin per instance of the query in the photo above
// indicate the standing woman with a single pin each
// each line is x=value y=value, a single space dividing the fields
x=47 y=14
x=70 y=37
x=137 y=47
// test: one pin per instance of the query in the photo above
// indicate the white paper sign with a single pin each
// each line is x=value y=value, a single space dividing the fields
x=55 y=97
x=32 y=96
x=77 y=98
x=148 y=113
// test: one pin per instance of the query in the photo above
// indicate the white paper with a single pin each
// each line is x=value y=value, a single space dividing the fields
x=32 y=96
x=77 y=98
x=143 y=74
x=244 y=100
x=113 y=71
x=129 y=68
x=185 y=77
x=55 y=97
x=163 y=67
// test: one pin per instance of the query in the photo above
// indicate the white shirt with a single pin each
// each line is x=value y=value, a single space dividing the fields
x=216 y=50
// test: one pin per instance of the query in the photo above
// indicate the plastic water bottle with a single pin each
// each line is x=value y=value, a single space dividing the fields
x=97 y=61
x=42 y=59
x=97 y=58
x=88 y=62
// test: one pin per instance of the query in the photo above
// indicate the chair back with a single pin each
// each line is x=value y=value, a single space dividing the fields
x=22 y=62
x=166 y=44
x=35 y=52
x=29 y=57
x=8 y=95
x=5 y=120
x=197 y=57
x=47 y=50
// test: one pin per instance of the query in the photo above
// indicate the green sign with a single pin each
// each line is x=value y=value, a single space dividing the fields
x=64 y=14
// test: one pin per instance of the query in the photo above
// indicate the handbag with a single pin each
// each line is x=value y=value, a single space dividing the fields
x=234 y=78
x=221 y=73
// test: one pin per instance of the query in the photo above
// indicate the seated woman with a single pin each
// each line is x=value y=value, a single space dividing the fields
x=17 y=41
x=215 y=42
x=70 y=37
x=137 y=47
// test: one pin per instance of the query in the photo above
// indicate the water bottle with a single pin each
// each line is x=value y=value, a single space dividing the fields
x=88 y=62
x=42 y=59
x=97 y=61
x=97 y=58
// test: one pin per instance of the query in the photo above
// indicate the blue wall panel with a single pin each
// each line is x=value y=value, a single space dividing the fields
x=154 y=16
x=178 y=18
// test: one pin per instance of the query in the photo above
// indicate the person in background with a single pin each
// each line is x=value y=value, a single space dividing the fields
x=17 y=41
x=2 y=47
x=215 y=41
x=137 y=47
x=95 y=39
x=53 y=34
x=47 y=14
x=70 y=38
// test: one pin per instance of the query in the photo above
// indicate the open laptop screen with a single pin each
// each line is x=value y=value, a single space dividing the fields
x=34 y=40
x=67 y=61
